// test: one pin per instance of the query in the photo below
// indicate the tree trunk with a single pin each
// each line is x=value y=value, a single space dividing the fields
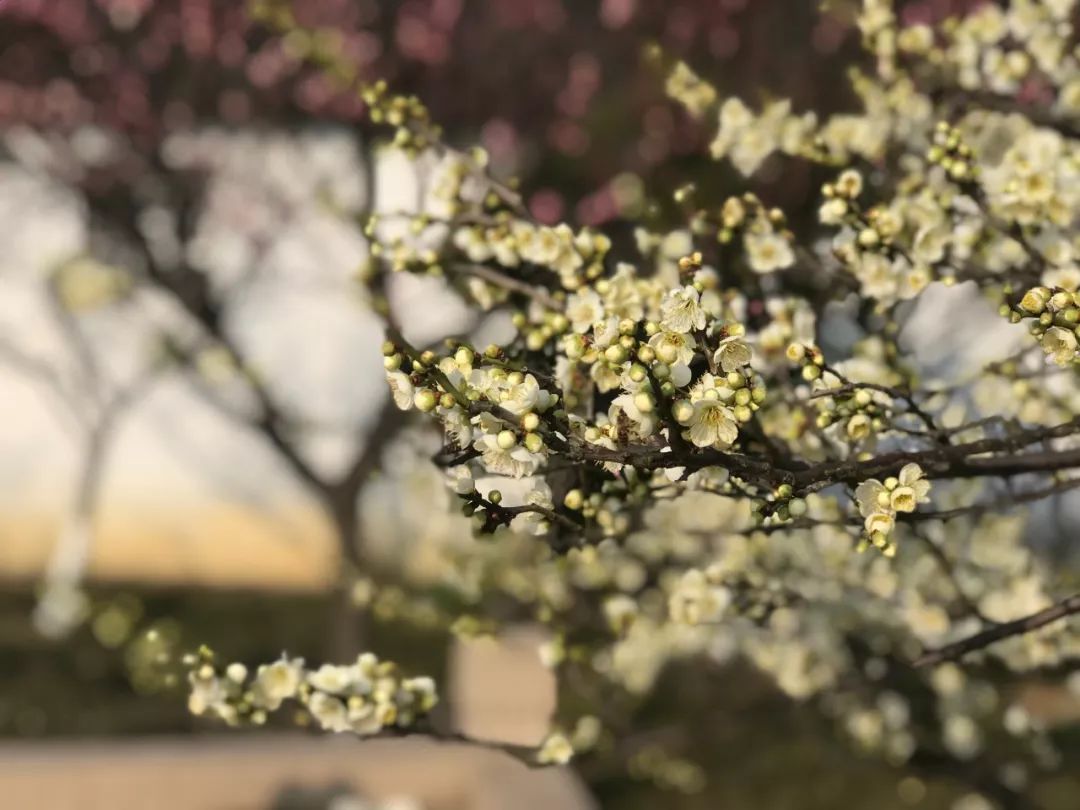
x=347 y=626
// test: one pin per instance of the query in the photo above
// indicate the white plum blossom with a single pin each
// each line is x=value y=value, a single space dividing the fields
x=768 y=252
x=712 y=424
x=681 y=311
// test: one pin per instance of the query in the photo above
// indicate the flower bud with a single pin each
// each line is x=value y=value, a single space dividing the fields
x=1034 y=300
x=682 y=411
x=425 y=400
x=615 y=353
x=644 y=402
x=574 y=346
x=667 y=353
x=1060 y=300
x=869 y=238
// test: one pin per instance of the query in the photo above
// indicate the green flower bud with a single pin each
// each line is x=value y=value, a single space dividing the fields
x=425 y=400
x=616 y=353
x=682 y=411
x=464 y=356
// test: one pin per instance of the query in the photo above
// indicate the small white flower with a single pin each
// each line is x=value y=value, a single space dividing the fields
x=555 y=750
x=681 y=311
x=330 y=712
x=674 y=347
x=869 y=497
x=583 y=309
x=732 y=354
x=516 y=462
x=832 y=212
x=526 y=396
x=331 y=678
x=401 y=389
x=768 y=252
x=277 y=682
x=1059 y=345
x=911 y=490
x=880 y=522
x=712 y=424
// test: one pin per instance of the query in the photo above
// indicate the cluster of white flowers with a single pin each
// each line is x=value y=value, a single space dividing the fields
x=671 y=360
x=1055 y=316
x=686 y=87
x=879 y=502
x=699 y=597
x=364 y=698
x=749 y=139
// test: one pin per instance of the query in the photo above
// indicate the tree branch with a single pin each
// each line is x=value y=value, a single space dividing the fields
x=951 y=652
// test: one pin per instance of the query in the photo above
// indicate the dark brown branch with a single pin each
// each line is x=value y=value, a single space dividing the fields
x=968 y=460
x=951 y=652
